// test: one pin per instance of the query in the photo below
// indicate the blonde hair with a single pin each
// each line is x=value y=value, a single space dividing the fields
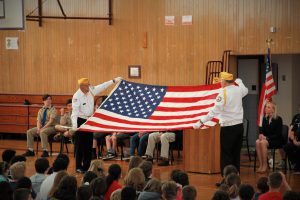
x=274 y=116
x=17 y=170
x=135 y=179
x=97 y=167
x=116 y=195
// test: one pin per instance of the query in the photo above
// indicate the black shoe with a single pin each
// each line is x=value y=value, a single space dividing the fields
x=80 y=171
x=28 y=153
x=149 y=158
x=45 y=154
x=109 y=156
x=163 y=163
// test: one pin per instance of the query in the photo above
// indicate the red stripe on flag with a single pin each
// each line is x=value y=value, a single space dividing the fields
x=193 y=88
x=270 y=94
x=270 y=77
x=189 y=99
x=190 y=108
x=270 y=85
x=177 y=116
x=138 y=123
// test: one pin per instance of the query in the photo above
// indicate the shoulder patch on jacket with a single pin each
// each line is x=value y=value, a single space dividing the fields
x=219 y=99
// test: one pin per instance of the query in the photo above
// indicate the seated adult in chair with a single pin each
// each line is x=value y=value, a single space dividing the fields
x=270 y=135
x=292 y=148
x=65 y=121
x=165 y=138
x=138 y=141
x=111 y=144
x=45 y=127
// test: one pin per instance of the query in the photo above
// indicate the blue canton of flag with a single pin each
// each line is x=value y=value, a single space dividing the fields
x=135 y=100
x=268 y=63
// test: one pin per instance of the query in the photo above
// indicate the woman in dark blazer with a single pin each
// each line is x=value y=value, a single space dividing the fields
x=269 y=136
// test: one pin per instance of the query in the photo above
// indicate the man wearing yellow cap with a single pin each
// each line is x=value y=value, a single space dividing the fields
x=229 y=109
x=82 y=109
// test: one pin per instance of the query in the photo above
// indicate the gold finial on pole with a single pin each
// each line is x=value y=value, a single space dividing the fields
x=269 y=41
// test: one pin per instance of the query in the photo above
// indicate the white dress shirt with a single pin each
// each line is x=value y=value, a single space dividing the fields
x=47 y=185
x=83 y=104
x=228 y=105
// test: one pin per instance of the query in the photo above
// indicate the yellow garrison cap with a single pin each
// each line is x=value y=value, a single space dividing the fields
x=226 y=76
x=84 y=81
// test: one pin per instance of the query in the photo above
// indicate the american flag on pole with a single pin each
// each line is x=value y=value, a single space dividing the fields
x=135 y=107
x=268 y=89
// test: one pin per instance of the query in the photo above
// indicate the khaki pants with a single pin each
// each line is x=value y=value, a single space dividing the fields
x=31 y=133
x=164 y=138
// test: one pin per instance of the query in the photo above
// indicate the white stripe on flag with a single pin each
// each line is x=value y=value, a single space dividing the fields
x=192 y=94
x=182 y=105
x=180 y=113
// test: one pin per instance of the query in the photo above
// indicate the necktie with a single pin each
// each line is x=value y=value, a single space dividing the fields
x=44 y=117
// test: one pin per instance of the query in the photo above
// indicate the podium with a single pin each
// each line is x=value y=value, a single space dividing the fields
x=201 y=150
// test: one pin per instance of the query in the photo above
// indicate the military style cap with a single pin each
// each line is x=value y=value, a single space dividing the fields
x=226 y=76
x=84 y=81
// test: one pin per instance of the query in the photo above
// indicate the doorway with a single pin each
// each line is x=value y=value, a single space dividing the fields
x=249 y=70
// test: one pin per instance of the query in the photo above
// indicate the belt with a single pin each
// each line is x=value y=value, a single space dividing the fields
x=84 y=117
x=231 y=123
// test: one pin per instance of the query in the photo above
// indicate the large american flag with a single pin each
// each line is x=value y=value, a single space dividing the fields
x=135 y=107
x=268 y=89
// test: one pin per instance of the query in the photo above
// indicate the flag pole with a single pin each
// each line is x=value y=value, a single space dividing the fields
x=269 y=41
x=264 y=89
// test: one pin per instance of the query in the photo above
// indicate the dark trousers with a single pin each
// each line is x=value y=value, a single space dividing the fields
x=231 y=144
x=293 y=154
x=138 y=142
x=83 y=147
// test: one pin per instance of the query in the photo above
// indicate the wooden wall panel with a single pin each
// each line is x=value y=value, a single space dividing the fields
x=51 y=58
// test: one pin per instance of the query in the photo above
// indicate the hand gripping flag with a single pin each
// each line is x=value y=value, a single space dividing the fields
x=135 y=107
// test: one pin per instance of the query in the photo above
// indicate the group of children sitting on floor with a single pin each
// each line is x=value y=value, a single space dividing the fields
x=53 y=183
x=273 y=187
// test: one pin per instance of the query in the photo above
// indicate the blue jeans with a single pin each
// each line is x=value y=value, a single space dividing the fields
x=136 y=141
